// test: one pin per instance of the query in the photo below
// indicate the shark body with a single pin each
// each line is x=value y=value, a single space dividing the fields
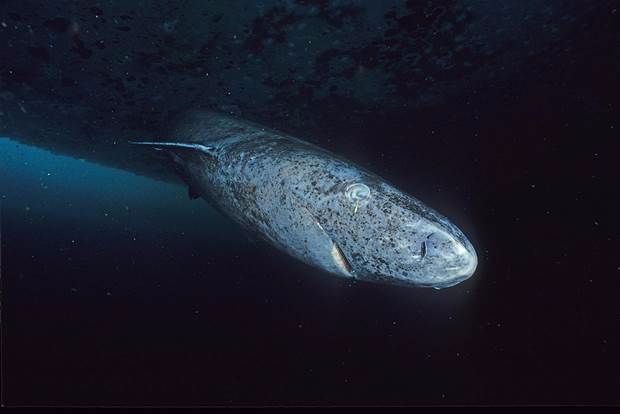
x=316 y=206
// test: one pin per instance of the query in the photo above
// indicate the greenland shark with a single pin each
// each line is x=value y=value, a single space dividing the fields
x=316 y=206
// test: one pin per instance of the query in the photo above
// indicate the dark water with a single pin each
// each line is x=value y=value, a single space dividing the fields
x=119 y=290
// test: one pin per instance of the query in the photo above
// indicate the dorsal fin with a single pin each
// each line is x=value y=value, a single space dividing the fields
x=187 y=145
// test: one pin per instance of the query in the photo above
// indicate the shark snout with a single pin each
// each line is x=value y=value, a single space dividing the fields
x=464 y=267
x=454 y=260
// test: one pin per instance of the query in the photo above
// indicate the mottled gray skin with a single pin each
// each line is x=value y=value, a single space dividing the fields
x=316 y=206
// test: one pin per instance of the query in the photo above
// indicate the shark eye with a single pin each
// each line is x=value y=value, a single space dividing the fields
x=357 y=192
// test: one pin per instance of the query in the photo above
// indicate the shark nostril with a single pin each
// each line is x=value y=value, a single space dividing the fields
x=423 y=250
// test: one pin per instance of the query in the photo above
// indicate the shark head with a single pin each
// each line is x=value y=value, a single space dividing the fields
x=379 y=233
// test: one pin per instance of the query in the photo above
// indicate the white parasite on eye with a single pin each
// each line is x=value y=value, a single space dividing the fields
x=358 y=194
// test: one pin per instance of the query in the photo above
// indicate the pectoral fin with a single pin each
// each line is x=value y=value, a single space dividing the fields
x=340 y=259
x=307 y=239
